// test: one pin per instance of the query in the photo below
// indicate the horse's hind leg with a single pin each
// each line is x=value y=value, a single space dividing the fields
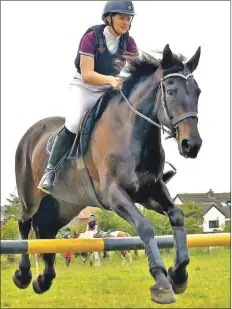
x=177 y=275
x=22 y=276
x=47 y=224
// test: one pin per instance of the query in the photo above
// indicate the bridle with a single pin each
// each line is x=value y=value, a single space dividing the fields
x=172 y=123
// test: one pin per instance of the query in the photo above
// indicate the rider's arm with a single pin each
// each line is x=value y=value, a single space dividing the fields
x=88 y=74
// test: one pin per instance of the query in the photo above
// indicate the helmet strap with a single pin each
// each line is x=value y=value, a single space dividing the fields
x=130 y=22
x=112 y=24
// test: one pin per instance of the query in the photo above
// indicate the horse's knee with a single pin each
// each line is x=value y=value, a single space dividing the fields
x=145 y=230
x=176 y=216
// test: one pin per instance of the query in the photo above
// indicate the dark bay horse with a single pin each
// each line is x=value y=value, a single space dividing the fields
x=125 y=161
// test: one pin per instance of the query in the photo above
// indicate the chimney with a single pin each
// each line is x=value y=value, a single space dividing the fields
x=210 y=193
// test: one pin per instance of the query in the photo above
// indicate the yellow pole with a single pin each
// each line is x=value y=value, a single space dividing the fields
x=65 y=245
x=208 y=240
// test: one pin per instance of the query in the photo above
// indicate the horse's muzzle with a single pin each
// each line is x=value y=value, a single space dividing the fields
x=189 y=148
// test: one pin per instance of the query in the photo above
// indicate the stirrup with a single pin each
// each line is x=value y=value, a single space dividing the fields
x=40 y=185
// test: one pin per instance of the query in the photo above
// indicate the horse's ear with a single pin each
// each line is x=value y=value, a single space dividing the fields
x=193 y=62
x=166 y=62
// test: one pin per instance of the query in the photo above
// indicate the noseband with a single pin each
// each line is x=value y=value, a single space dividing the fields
x=172 y=123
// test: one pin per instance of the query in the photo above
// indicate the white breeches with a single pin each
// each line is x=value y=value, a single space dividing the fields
x=80 y=99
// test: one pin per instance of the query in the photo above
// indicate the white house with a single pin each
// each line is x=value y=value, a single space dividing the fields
x=214 y=218
x=216 y=206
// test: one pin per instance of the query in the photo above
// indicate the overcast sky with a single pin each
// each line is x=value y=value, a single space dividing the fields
x=39 y=41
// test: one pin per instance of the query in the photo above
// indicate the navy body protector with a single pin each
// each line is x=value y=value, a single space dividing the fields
x=104 y=61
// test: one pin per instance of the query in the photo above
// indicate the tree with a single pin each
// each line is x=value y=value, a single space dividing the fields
x=10 y=230
x=109 y=220
x=160 y=222
x=194 y=219
x=12 y=208
x=81 y=227
x=227 y=227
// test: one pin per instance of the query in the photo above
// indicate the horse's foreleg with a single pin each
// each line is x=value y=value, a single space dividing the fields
x=121 y=203
x=123 y=258
x=110 y=256
x=22 y=277
x=97 y=259
x=91 y=258
x=129 y=256
x=177 y=275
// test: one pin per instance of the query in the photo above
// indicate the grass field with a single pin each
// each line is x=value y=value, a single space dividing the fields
x=116 y=286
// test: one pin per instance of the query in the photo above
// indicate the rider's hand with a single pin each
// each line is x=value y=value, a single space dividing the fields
x=116 y=83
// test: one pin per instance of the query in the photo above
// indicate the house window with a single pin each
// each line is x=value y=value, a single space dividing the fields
x=214 y=224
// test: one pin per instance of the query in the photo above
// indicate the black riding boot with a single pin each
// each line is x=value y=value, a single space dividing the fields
x=62 y=144
x=169 y=174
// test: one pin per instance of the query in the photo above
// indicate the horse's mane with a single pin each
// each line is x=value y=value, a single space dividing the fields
x=146 y=64
x=141 y=67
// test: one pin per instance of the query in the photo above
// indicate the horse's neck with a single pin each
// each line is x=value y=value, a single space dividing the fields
x=145 y=137
x=139 y=131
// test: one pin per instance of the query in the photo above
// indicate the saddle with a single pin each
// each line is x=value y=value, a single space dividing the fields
x=101 y=234
x=78 y=150
x=88 y=121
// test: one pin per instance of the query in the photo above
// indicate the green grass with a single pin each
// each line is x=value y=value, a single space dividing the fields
x=116 y=286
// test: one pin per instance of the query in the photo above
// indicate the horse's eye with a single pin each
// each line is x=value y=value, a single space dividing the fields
x=171 y=92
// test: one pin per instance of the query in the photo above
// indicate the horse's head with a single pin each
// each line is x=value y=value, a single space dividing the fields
x=177 y=100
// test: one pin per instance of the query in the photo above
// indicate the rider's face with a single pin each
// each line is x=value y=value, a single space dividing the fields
x=121 y=22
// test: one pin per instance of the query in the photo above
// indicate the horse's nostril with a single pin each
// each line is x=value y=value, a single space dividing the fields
x=191 y=147
x=186 y=146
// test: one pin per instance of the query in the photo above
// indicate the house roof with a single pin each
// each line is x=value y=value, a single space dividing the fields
x=225 y=210
x=85 y=213
x=208 y=200
x=208 y=197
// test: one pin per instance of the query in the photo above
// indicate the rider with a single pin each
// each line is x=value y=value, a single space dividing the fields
x=92 y=225
x=98 y=62
x=66 y=234
x=68 y=255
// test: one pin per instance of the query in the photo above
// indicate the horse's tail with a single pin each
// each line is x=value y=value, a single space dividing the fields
x=34 y=234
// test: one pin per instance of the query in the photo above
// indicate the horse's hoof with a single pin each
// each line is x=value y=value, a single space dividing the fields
x=178 y=288
x=162 y=296
x=40 y=285
x=22 y=282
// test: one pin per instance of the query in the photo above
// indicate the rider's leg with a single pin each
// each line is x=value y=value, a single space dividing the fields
x=79 y=100
x=61 y=146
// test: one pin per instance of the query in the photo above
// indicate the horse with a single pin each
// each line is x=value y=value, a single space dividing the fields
x=120 y=163
x=93 y=255
x=125 y=254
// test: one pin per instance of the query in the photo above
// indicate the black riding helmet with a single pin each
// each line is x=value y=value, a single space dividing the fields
x=117 y=7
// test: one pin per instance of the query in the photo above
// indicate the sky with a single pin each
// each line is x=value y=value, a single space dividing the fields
x=39 y=42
